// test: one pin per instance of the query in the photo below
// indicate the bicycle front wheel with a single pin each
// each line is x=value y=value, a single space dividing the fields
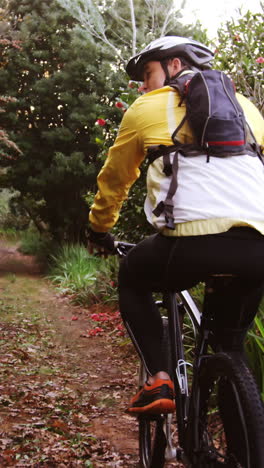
x=152 y=442
x=155 y=431
x=229 y=423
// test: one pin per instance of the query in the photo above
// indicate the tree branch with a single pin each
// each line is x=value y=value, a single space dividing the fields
x=134 y=27
x=90 y=19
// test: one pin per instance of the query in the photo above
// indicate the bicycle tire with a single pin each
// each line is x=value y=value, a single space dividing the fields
x=152 y=442
x=227 y=400
x=179 y=366
x=152 y=433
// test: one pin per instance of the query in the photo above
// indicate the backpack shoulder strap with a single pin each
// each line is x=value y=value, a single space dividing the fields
x=166 y=206
x=180 y=82
x=252 y=145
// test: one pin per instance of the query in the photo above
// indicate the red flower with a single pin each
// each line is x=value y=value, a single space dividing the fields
x=119 y=104
x=120 y=330
x=101 y=317
x=101 y=122
x=260 y=60
x=95 y=331
x=237 y=38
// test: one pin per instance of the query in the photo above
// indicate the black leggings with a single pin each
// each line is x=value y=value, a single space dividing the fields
x=161 y=263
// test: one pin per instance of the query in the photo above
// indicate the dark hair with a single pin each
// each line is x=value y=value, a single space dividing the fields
x=183 y=61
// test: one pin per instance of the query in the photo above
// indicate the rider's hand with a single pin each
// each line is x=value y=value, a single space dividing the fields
x=101 y=243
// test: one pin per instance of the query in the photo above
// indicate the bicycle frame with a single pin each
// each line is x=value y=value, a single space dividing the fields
x=177 y=305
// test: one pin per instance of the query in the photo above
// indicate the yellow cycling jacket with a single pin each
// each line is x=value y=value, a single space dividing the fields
x=210 y=198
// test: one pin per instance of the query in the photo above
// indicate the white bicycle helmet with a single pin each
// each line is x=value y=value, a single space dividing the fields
x=196 y=54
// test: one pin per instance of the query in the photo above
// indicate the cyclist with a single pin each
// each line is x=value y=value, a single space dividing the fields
x=218 y=210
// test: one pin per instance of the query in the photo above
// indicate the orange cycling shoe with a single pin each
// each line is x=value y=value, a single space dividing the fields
x=154 y=399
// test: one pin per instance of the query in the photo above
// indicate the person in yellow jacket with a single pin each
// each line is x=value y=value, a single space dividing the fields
x=218 y=211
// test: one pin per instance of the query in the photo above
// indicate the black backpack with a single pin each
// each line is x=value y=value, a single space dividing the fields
x=218 y=124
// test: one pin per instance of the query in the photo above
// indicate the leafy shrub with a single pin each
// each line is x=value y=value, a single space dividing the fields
x=73 y=268
x=255 y=349
x=84 y=277
x=9 y=234
x=9 y=217
x=104 y=287
x=240 y=53
x=34 y=243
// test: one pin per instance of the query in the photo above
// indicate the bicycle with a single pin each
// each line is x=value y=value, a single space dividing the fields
x=219 y=420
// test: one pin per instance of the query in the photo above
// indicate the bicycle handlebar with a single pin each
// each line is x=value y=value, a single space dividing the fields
x=122 y=248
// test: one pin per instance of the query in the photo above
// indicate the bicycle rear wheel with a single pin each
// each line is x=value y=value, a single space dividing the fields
x=229 y=425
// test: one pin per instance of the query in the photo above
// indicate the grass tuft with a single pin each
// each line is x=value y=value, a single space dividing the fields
x=74 y=270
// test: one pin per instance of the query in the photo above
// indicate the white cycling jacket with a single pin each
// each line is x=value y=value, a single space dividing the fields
x=211 y=197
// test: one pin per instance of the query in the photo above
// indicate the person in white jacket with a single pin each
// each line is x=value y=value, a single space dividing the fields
x=218 y=213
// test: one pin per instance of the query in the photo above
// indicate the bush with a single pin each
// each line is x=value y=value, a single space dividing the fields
x=85 y=278
x=240 y=53
x=34 y=243
x=9 y=217
x=9 y=234
x=104 y=288
x=255 y=349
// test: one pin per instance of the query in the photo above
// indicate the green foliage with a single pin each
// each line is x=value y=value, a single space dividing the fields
x=31 y=242
x=9 y=235
x=255 y=348
x=58 y=101
x=240 y=52
x=132 y=225
x=197 y=293
x=84 y=277
x=74 y=269
x=4 y=200
x=10 y=217
x=103 y=289
x=140 y=23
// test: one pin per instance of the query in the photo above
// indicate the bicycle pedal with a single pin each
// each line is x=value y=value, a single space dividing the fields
x=150 y=417
x=171 y=454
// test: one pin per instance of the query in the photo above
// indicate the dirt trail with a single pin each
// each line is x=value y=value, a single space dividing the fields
x=97 y=369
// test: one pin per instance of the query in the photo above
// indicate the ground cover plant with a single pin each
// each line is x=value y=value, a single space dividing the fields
x=85 y=277
x=255 y=348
